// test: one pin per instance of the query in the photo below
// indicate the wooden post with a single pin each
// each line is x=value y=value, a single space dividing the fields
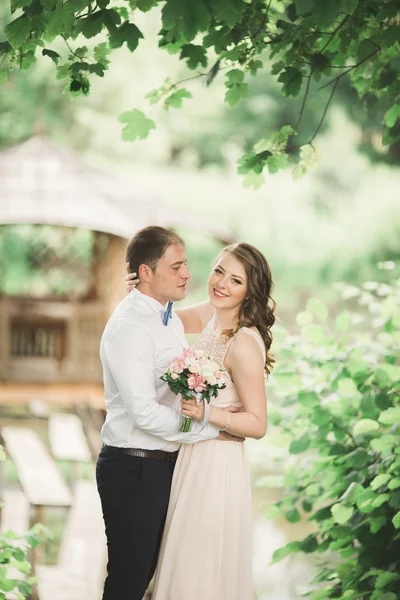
x=114 y=288
x=5 y=326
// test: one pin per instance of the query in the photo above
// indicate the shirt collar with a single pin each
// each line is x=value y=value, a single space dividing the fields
x=152 y=302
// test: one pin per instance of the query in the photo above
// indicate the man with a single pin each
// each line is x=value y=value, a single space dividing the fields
x=141 y=432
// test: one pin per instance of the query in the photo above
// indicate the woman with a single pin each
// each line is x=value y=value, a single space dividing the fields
x=206 y=549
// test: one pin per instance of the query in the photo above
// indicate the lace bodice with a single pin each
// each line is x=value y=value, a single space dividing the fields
x=216 y=346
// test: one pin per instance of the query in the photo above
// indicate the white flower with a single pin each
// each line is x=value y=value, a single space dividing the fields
x=174 y=376
x=194 y=368
x=199 y=353
x=209 y=368
x=211 y=380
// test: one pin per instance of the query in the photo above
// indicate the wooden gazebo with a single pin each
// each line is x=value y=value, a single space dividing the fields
x=49 y=347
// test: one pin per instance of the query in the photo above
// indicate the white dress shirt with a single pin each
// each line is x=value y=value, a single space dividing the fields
x=136 y=349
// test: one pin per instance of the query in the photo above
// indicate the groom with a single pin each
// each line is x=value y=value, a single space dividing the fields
x=141 y=432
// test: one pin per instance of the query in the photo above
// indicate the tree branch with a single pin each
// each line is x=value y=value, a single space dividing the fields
x=349 y=69
x=334 y=32
x=325 y=112
x=303 y=104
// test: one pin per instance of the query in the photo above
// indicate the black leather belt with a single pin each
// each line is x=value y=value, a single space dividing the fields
x=141 y=453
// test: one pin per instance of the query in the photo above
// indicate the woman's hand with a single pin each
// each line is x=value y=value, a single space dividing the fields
x=131 y=282
x=190 y=408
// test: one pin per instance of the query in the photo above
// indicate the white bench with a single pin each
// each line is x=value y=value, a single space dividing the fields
x=80 y=572
x=40 y=479
x=41 y=482
x=14 y=512
x=68 y=441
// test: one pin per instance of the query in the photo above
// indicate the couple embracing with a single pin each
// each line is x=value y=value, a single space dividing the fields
x=181 y=501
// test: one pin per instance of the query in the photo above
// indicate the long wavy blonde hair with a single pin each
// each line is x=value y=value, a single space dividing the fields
x=257 y=309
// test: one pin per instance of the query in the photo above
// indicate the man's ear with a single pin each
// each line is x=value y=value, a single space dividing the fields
x=145 y=273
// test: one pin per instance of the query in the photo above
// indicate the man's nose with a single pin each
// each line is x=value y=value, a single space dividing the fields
x=186 y=274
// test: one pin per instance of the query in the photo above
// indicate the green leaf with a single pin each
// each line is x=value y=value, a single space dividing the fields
x=341 y=514
x=396 y=520
x=326 y=12
x=300 y=445
x=234 y=76
x=356 y=364
x=127 y=32
x=138 y=126
x=391 y=416
x=304 y=6
x=365 y=426
x=380 y=480
x=394 y=483
x=317 y=308
x=309 y=399
x=281 y=553
x=176 y=98
x=277 y=162
x=55 y=57
x=253 y=180
x=348 y=6
x=392 y=371
x=145 y=5
x=309 y=544
x=347 y=387
x=227 y=11
x=342 y=322
x=3 y=78
x=187 y=18
x=293 y=515
x=213 y=72
x=15 y=4
x=18 y=31
x=93 y=24
x=236 y=93
x=376 y=524
x=195 y=55
x=273 y=512
x=385 y=579
x=292 y=79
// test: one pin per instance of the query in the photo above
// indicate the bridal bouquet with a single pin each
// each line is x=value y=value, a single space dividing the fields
x=194 y=374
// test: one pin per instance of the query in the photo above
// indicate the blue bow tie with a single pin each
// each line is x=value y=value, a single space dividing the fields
x=166 y=314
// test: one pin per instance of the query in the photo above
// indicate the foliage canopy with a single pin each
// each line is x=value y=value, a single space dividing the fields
x=342 y=392
x=306 y=44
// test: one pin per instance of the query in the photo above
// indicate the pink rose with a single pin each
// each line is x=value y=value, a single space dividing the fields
x=176 y=366
x=197 y=383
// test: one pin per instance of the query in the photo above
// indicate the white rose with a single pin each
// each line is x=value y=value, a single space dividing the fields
x=194 y=368
x=209 y=368
x=199 y=353
x=211 y=380
x=174 y=376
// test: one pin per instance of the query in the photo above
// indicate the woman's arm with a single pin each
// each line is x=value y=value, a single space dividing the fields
x=195 y=317
x=245 y=362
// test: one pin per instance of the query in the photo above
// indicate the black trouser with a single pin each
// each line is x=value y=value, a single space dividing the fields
x=134 y=495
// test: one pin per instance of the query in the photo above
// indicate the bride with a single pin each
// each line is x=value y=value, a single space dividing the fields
x=206 y=548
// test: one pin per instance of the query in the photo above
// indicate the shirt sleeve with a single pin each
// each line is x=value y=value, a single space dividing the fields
x=130 y=354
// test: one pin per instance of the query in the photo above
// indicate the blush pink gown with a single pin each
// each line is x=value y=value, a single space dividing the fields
x=207 y=543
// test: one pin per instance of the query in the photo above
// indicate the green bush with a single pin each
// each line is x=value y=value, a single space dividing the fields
x=13 y=555
x=341 y=388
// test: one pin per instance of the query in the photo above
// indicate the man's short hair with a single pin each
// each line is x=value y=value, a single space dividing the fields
x=148 y=245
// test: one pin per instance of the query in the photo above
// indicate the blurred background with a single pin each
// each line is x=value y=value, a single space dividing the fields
x=72 y=192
